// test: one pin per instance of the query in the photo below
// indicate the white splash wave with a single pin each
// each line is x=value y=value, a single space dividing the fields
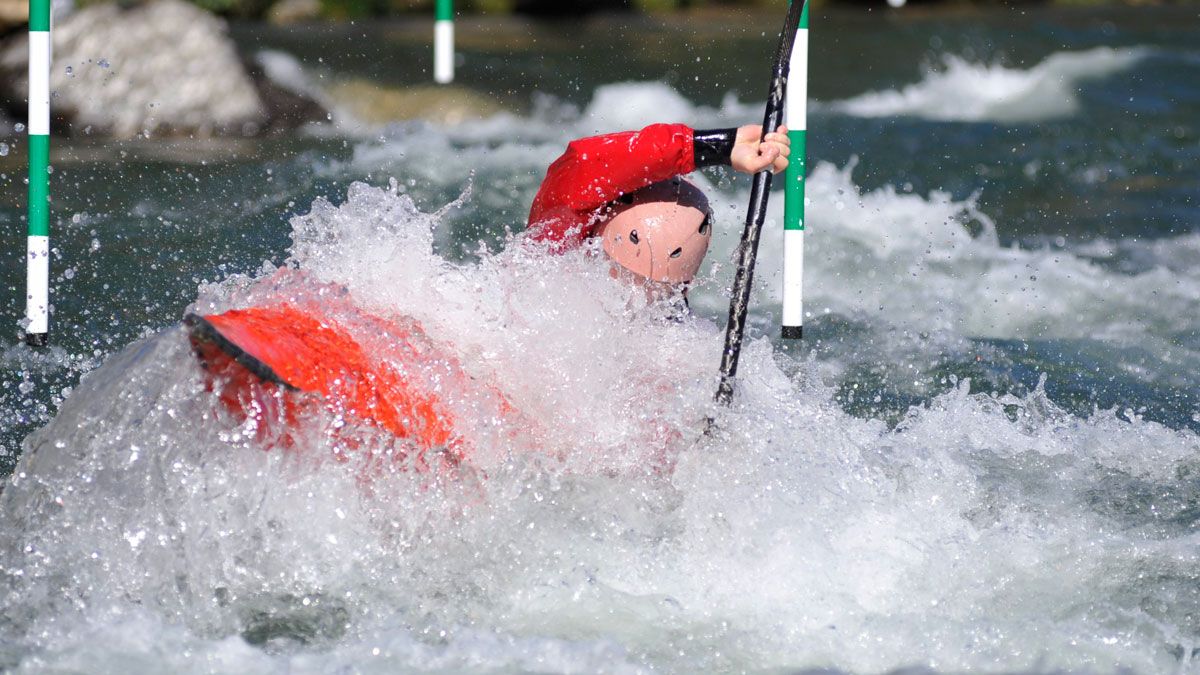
x=960 y=90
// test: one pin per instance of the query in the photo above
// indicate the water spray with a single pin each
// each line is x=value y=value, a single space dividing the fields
x=793 y=211
x=37 y=293
x=443 y=43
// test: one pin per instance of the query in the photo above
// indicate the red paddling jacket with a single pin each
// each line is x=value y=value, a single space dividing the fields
x=573 y=199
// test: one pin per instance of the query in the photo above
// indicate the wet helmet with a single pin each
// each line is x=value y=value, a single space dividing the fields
x=660 y=232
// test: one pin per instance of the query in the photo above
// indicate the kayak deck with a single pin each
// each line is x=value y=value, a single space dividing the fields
x=260 y=358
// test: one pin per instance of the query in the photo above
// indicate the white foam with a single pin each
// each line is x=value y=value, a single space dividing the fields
x=633 y=105
x=960 y=90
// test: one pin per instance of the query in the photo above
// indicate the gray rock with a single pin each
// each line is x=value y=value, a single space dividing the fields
x=163 y=67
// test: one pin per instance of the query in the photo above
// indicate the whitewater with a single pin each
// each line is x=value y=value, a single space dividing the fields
x=898 y=490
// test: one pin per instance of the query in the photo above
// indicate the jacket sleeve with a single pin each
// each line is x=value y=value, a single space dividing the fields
x=595 y=171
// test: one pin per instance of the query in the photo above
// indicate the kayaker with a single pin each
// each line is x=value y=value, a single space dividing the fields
x=627 y=188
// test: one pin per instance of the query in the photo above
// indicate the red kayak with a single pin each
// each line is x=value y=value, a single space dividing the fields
x=382 y=372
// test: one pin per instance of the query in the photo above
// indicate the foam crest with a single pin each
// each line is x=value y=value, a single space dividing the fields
x=964 y=91
x=632 y=105
x=286 y=71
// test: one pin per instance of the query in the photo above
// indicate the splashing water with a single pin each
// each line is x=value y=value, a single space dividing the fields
x=988 y=532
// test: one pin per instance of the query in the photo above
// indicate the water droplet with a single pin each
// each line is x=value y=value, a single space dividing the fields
x=69 y=273
x=4 y=149
x=18 y=127
x=70 y=71
x=103 y=63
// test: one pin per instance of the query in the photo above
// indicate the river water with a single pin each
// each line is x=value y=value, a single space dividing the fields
x=984 y=455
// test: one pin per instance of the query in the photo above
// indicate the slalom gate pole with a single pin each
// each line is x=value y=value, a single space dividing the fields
x=757 y=213
x=37 y=288
x=793 y=211
x=443 y=43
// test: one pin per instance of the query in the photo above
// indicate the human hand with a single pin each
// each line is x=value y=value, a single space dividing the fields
x=753 y=153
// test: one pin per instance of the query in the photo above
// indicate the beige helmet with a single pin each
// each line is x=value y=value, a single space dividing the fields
x=660 y=232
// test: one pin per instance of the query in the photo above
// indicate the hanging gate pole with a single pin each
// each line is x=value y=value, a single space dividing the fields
x=443 y=43
x=37 y=298
x=748 y=249
x=793 y=211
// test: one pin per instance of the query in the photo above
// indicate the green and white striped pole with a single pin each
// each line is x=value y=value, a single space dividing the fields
x=37 y=299
x=793 y=209
x=443 y=43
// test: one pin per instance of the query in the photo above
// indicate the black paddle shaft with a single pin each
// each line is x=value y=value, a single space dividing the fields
x=748 y=248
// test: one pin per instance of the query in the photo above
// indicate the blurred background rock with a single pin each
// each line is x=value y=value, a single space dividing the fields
x=166 y=66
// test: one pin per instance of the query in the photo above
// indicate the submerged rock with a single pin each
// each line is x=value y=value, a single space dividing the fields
x=356 y=102
x=163 y=67
x=13 y=13
x=372 y=103
x=294 y=11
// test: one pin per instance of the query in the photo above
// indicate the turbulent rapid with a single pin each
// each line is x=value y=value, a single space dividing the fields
x=984 y=455
x=795 y=535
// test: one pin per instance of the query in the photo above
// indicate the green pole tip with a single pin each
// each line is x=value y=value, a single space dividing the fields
x=39 y=15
